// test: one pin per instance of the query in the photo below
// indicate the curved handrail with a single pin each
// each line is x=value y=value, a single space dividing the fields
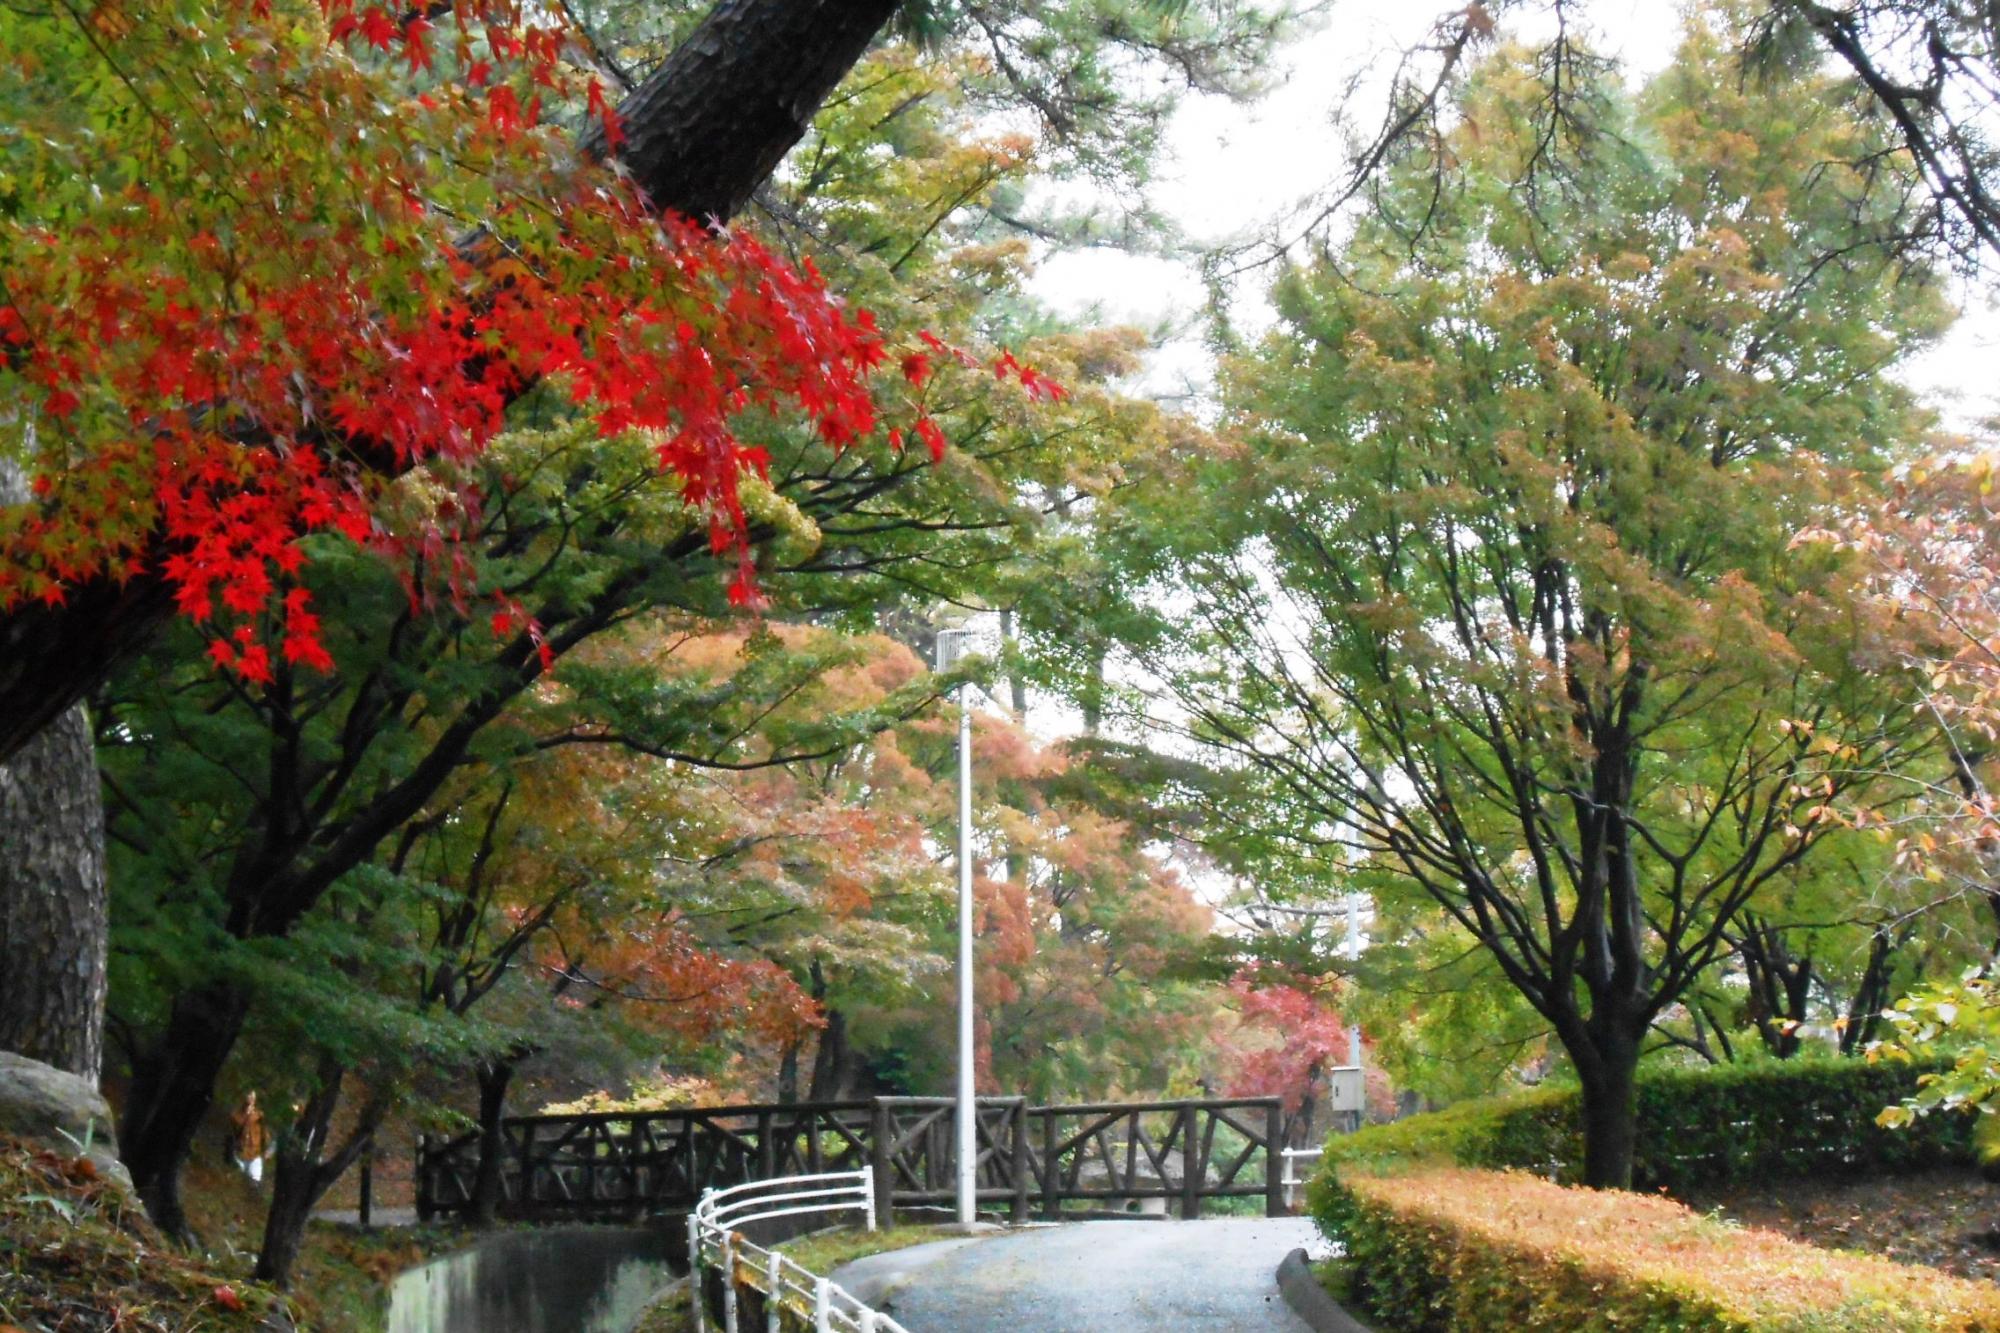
x=713 y=1232
x=715 y=1196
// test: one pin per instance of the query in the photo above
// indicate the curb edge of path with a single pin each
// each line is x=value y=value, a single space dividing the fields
x=1309 y=1300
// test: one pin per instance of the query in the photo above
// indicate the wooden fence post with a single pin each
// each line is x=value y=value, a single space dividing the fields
x=767 y=1159
x=525 y=1153
x=729 y=1283
x=1190 y=1164
x=697 y=1284
x=1274 y=1161
x=1023 y=1167
x=881 y=1139
x=1051 y=1183
x=426 y=1207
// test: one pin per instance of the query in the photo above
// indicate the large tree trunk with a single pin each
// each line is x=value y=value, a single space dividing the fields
x=1609 y=1077
x=494 y=1079
x=52 y=899
x=307 y=1169
x=1304 y=1125
x=714 y=120
x=173 y=1086
x=832 y=1057
x=833 y=1061
x=292 y=1199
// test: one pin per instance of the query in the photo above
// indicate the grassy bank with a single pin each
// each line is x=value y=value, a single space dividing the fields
x=75 y=1258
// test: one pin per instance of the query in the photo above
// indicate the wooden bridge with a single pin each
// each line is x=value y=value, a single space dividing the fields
x=1047 y=1161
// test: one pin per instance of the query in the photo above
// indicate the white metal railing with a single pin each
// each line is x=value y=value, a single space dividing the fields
x=713 y=1241
x=1290 y=1179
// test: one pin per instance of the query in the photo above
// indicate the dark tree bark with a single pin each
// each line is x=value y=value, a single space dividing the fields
x=1609 y=1079
x=1722 y=1041
x=172 y=1088
x=1602 y=999
x=52 y=899
x=1872 y=995
x=832 y=1061
x=1929 y=67
x=1299 y=1125
x=51 y=657
x=495 y=1076
x=832 y=1057
x=701 y=133
x=714 y=120
x=1780 y=984
x=1697 y=1040
x=788 y=1074
x=285 y=1224
x=307 y=1167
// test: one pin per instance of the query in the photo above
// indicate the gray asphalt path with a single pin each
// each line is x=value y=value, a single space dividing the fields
x=1087 y=1277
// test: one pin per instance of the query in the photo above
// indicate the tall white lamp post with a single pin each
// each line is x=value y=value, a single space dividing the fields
x=952 y=645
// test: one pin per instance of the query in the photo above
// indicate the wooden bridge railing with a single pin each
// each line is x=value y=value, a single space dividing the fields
x=1184 y=1151
x=1031 y=1158
x=914 y=1148
x=617 y=1165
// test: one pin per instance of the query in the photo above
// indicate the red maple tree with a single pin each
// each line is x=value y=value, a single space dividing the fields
x=1289 y=1033
x=246 y=302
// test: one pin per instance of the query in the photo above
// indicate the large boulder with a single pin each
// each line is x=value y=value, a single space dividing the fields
x=50 y=1108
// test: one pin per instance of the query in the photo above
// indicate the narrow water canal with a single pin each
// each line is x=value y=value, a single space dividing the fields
x=581 y=1279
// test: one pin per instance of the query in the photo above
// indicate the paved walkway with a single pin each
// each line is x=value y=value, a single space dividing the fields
x=1088 y=1277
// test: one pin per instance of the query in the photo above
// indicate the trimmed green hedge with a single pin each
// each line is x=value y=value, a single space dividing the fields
x=1449 y=1249
x=1698 y=1128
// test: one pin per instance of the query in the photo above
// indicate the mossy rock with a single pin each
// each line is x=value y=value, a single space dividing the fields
x=46 y=1107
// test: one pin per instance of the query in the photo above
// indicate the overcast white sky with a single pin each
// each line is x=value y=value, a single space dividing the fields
x=1232 y=170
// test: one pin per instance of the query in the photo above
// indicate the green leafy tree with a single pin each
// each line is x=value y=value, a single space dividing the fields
x=1497 y=596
